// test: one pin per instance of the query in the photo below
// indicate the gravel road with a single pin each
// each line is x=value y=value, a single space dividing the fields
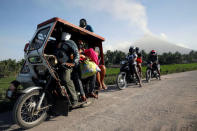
x=169 y=104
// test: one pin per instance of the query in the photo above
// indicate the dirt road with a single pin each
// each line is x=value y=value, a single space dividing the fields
x=166 y=105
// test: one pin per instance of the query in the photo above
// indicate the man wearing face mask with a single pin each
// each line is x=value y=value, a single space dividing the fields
x=83 y=24
x=67 y=48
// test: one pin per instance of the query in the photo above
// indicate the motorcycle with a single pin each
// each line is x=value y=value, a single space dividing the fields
x=151 y=71
x=43 y=93
x=125 y=76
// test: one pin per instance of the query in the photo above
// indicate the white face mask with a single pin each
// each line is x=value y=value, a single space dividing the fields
x=66 y=36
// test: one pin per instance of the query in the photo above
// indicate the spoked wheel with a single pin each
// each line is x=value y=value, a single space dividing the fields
x=148 y=75
x=24 y=111
x=121 y=80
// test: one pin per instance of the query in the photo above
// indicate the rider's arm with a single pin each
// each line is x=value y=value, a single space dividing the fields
x=135 y=56
x=150 y=59
x=74 y=48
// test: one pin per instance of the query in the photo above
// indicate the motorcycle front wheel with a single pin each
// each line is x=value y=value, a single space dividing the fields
x=24 y=111
x=121 y=80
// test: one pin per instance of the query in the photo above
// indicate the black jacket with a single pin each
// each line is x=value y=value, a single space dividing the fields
x=153 y=58
x=67 y=48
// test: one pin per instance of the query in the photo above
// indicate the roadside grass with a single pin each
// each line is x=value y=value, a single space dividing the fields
x=110 y=79
x=175 y=68
x=112 y=71
x=165 y=69
x=5 y=104
x=4 y=83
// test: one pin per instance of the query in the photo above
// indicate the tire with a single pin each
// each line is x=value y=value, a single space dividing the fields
x=157 y=76
x=121 y=80
x=22 y=103
x=148 y=75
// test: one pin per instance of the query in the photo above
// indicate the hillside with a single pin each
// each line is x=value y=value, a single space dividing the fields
x=149 y=43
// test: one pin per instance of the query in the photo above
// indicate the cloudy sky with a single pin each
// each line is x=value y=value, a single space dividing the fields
x=118 y=21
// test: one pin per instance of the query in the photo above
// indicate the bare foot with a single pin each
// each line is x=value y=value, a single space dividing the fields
x=104 y=86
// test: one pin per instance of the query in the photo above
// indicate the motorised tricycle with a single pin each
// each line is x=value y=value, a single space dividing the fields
x=43 y=91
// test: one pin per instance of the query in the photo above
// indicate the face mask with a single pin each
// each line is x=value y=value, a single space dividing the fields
x=65 y=36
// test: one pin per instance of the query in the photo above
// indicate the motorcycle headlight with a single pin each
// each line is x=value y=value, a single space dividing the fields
x=35 y=59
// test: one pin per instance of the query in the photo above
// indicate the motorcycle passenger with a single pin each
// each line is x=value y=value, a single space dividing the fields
x=100 y=75
x=76 y=74
x=139 y=61
x=66 y=48
x=90 y=81
x=132 y=63
x=153 y=58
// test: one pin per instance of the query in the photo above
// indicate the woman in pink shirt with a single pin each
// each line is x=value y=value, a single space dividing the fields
x=93 y=55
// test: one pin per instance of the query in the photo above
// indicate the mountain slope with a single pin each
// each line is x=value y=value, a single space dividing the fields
x=149 y=43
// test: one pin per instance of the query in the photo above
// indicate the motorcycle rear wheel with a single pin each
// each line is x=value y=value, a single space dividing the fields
x=148 y=75
x=121 y=80
x=23 y=111
x=157 y=76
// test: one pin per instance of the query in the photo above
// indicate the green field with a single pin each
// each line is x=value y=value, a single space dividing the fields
x=5 y=103
x=4 y=83
x=112 y=72
x=165 y=69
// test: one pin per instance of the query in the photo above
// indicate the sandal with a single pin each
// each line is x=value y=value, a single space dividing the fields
x=93 y=95
x=83 y=97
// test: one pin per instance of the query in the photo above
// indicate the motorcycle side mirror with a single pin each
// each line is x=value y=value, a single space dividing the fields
x=26 y=47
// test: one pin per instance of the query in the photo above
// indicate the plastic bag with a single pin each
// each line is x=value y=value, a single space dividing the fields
x=88 y=68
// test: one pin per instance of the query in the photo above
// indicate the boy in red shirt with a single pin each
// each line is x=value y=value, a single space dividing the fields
x=139 y=61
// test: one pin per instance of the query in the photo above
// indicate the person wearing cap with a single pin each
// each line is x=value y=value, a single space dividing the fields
x=67 y=48
x=76 y=74
x=83 y=24
x=89 y=83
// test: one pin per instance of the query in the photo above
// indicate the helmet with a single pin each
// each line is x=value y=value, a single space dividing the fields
x=153 y=52
x=132 y=49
